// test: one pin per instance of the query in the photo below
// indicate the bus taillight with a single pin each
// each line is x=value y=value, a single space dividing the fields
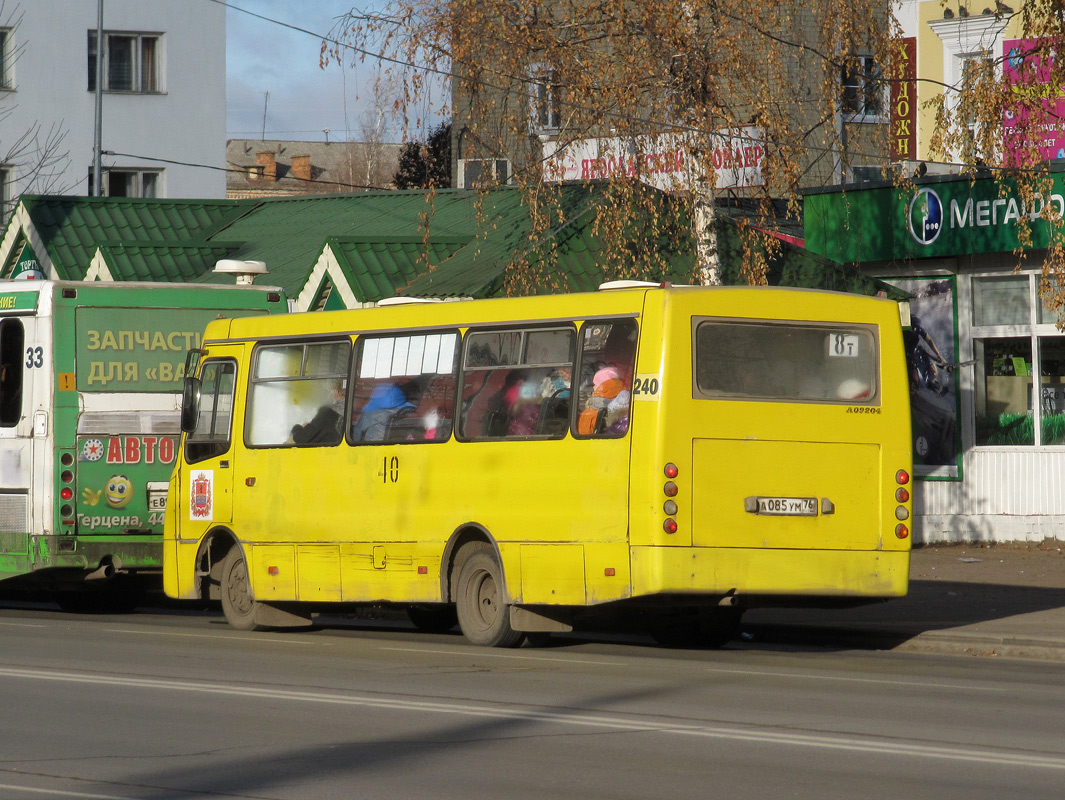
x=902 y=477
x=902 y=531
x=669 y=489
x=902 y=495
x=67 y=493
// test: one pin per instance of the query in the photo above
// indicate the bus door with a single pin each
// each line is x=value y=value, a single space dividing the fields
x=21 y=359
x=206 y=500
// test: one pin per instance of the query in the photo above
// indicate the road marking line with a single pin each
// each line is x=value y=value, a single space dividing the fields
x=62 y=793
x=616 y=722
x=262 y=637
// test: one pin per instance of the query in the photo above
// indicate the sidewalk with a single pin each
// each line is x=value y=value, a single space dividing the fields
x=1005 y=600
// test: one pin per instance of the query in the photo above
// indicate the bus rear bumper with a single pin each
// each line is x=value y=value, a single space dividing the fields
x=90 y=552
x=769 y=572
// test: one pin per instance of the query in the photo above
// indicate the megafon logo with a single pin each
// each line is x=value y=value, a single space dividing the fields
x=925 y=216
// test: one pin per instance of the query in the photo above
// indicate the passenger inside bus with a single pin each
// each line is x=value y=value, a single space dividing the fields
x=607 y=410
x=325 y=426
x=386 y=401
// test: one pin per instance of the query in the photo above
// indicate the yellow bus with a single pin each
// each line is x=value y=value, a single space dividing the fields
x=670 y=454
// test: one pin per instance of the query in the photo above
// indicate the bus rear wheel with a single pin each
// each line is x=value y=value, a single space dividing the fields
x=484 y=616
x=237 y=602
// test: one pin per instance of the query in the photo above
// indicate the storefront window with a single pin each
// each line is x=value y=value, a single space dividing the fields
x=1004 y=391
x=1052 y=389
x=1001 y=301
x=1046 y=316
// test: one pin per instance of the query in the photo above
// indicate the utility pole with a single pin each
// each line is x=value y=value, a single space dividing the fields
x=97 y=148
x=266 y=102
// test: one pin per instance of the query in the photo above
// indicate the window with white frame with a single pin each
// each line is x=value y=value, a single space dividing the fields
x=1019 y=362
x=478 y=173
x=967 y=41
x=863 y=88
x=545 y=98
x=6 y=78
x=131 y=62
x=129 y=182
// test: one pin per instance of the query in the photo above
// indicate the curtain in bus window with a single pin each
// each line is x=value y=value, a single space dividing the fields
x=298 y=394
x=404 y=388
x=786 y=361
x=12 y=357
x=608 y=358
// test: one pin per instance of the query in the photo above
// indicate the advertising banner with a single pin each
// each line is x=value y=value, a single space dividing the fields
x=931 y=343
x=951 y=217
x=1034 y=129
x=663 y=161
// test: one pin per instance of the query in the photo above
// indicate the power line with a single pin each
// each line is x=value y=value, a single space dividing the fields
x=239 y=171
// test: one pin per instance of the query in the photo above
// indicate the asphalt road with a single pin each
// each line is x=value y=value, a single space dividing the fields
x=178 y=705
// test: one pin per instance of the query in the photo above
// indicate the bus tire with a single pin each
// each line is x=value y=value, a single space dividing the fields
x=237 y=602
x=483 y=614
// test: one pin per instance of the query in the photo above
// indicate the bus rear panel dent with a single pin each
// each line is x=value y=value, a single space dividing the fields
x=678 y=453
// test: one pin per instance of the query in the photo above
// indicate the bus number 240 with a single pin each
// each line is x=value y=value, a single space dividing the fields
x=645 y=386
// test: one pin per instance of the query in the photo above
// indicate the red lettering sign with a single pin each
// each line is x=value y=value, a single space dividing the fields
x=904 y=101
x=134 y=449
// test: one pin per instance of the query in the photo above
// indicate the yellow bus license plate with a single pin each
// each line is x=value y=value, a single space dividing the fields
x=788 y=506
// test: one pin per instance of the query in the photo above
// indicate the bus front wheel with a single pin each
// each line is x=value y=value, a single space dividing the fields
x=484 y=616
x=237 y=602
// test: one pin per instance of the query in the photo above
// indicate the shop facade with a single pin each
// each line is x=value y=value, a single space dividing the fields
x=986 y=360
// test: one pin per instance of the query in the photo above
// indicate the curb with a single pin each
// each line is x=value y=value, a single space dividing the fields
x=944 y=642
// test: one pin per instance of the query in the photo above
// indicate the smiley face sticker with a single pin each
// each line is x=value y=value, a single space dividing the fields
x=119 y=491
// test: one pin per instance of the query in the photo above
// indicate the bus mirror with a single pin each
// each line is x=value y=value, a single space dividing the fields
x=190 y=404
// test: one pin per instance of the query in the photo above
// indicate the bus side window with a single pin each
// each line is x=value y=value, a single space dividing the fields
x=608 y=360
x=517 y=384
x=297 y=395
x=403 y=389
x=211 y=437
x=12 y=339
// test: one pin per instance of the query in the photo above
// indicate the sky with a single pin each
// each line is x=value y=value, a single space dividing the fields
x=264 y=56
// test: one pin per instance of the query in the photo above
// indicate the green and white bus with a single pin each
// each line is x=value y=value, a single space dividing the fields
x=90 y=397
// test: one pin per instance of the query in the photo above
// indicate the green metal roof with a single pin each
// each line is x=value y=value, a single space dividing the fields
x=73 y=227
x=445 y=243
x=146 y=262
x=372 y=265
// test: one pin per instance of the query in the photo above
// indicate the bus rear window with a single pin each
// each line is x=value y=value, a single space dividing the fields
x=786 y=361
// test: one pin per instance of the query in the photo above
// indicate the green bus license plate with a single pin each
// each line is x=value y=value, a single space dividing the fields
x=157 y=495
x=788 y=506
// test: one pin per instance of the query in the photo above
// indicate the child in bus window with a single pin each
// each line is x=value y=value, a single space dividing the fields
x=524 y=411
x=607 y=410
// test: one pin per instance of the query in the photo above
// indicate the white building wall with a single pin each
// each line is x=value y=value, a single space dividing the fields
x=184 y=122
x=1005 y=495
